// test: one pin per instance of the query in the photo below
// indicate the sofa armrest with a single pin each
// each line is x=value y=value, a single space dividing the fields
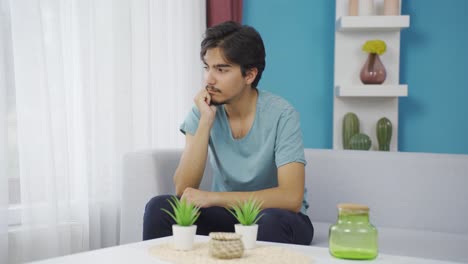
x=147 y=173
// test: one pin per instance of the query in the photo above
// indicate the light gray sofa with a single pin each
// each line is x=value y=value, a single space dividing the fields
x=418 y=201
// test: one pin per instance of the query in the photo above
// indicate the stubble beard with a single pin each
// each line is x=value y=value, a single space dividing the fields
x=217 y=103
x=213 y=102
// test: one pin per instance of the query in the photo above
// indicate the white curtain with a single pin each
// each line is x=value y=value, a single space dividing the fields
x=93 y=79
x=3 y=136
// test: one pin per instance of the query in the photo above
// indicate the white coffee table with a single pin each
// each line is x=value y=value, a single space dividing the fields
x=138 y=253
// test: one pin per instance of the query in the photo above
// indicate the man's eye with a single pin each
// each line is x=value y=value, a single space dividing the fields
x=205 y=67
x=221 y=70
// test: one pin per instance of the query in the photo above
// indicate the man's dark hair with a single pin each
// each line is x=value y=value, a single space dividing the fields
x=240 y=44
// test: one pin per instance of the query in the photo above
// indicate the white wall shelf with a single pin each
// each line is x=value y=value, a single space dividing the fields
x=378 y=23
x=368 y=102
x=371 y=90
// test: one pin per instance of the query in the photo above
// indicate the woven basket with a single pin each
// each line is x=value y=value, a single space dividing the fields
x=225 y=245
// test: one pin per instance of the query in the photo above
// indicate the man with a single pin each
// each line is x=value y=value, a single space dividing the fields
x=255 y=144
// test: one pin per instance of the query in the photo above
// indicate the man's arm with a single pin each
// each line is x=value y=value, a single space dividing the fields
x=192 y=163
x=288 y=195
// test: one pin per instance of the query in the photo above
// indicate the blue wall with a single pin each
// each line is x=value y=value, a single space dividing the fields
x=434 y=57
x=298 y=37
x=299 y=41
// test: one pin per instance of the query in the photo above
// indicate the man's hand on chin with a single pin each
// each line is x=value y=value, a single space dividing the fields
x=200 y=198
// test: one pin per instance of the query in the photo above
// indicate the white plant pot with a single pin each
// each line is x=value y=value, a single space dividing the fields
x=183 y=236
x=249 y=235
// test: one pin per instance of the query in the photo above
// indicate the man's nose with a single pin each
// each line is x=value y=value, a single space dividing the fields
x=209 y=78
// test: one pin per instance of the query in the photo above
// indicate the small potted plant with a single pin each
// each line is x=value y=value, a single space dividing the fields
x=185 y=214
x=247 y=213
x=373 y=71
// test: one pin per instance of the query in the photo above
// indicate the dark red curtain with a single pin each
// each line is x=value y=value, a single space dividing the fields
x=218 y=11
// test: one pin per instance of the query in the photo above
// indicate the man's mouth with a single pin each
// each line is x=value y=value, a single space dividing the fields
x=212 y=89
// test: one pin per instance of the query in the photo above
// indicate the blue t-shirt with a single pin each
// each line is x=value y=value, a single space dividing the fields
x=250 y=163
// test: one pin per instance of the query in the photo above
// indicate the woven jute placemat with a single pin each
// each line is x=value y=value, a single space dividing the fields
x=200 y=255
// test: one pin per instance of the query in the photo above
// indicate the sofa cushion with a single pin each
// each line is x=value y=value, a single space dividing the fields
x=419 y=191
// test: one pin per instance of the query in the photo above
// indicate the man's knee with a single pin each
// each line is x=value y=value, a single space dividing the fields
x=272 y=216
x=274 y=221
x=279 y=225
x=154 y=205
x=155 y=222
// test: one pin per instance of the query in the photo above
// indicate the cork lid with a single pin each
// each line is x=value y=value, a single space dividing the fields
x=224 y=236
x=353 y=207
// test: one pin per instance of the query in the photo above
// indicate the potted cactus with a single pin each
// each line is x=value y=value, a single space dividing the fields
x=184 y=214
x=384 y=133
x=360 y=141
x=350 y=128
x=247 y=213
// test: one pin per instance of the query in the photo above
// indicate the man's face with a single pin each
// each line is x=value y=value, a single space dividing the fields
x=223 y=80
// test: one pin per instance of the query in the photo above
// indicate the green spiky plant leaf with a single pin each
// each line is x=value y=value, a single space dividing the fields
x=185 y=213
x=247 y=212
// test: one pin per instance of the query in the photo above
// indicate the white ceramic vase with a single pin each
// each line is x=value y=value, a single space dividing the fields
x=183 y=237
x=249 y=235
x=366 y=8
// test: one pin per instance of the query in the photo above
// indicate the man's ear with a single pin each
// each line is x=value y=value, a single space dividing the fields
x=250 y=75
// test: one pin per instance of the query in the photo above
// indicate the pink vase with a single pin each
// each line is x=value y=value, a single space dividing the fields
x=373 y=71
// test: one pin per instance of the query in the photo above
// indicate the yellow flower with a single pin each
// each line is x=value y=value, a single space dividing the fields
x=375 y=46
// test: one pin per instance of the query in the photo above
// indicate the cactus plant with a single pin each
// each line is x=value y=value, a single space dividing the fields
x=350 y=128
x=384 y=133
x=360 y=142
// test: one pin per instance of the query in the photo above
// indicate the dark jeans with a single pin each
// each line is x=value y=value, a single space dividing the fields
x=276 y=225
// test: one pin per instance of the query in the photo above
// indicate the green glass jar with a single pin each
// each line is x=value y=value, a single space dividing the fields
x=353 y=236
